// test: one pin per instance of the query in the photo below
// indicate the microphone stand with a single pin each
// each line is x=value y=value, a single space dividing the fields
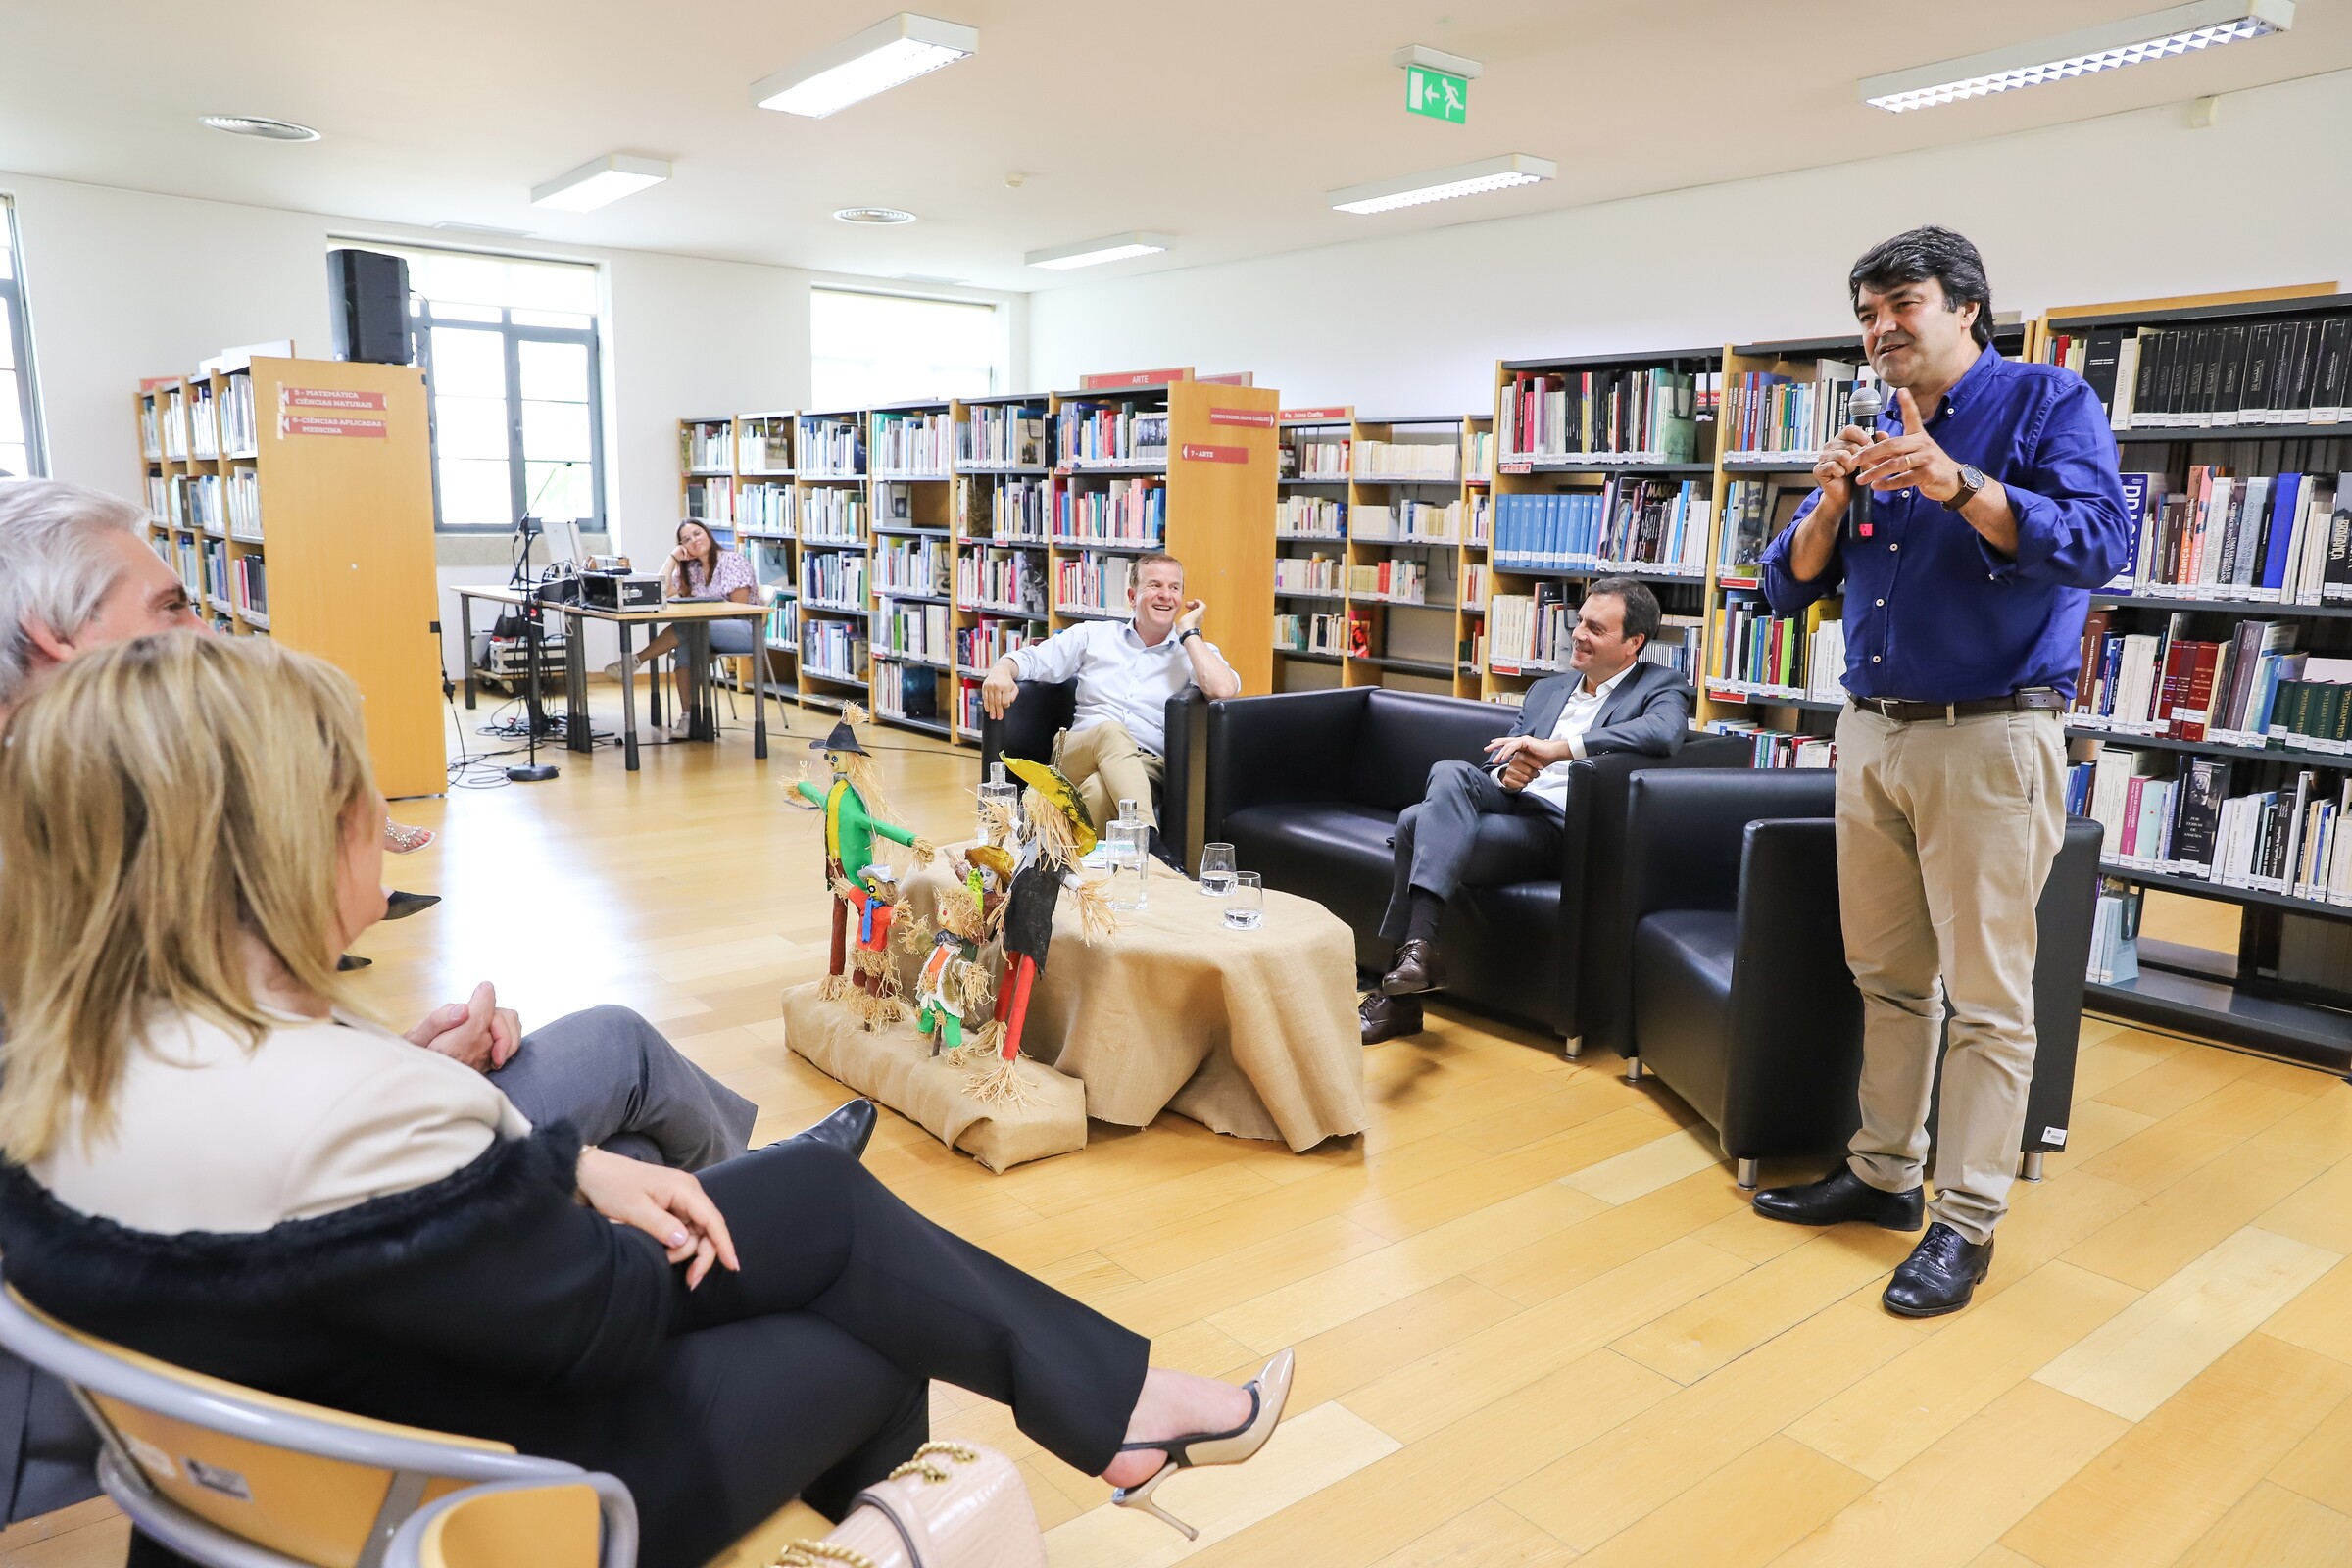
x=535 y=771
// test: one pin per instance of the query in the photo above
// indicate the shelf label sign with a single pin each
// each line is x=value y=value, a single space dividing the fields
x=1438 y=94
x=1201 y=453
x=1256 y=419
x=1521 y=466
x=328 y=397
x=1302 y=415
x=1111 y=381
x=352 y=425
x=343 y=411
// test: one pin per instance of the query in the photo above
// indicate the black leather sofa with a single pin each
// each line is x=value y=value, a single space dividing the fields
x=1043 y=710
x=1307 y=787
x=1742 y=1000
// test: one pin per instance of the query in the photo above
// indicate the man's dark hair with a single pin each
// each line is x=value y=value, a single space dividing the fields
x=1918 y=254
x=1640 y=606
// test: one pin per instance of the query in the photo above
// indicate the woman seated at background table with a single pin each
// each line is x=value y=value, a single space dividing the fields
x=698 y=569
x=213 y=1159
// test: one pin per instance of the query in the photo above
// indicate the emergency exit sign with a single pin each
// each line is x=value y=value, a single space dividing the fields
x=1438 y=94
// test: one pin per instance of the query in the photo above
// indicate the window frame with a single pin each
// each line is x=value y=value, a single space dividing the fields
x=12 y=306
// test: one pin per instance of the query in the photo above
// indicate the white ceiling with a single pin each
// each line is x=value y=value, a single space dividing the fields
x=1221 y=122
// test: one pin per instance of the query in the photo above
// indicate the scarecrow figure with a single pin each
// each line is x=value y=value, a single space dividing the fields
x=952 y=979
x=854 y=812
x=1057 y=832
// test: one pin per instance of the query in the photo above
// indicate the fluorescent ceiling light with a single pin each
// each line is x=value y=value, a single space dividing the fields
x=1441 y=184
x=880 y=58
x=259 y=126
x=1088 y=253
x=2133 y=40
x=593 y=184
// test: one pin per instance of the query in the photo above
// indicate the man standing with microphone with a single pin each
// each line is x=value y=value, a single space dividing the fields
x=1965 y=529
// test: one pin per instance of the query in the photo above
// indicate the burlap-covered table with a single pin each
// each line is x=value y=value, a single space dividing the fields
x=1252 y=1033
x=895 y=1067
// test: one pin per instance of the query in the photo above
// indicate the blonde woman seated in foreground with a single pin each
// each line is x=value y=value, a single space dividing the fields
x=214 y=1159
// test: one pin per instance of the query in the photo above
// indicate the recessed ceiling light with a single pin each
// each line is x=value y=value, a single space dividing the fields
x=1092 y=252
x=882 y=57
x=2133 y=41
x=593 y=184
x=257 y=125
x=874 y=215
x=1441 y=184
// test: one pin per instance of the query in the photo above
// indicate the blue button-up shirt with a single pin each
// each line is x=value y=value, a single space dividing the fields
x=1934 y=613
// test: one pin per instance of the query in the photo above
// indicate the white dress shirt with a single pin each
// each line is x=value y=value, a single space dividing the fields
x=1118 y=677
x=1577 y=716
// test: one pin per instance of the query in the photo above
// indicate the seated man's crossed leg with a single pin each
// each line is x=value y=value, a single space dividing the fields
x=1107 y=766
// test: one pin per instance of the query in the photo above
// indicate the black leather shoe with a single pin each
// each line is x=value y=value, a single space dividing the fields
x=1386 y=1017
x=1939 y=1276
x=1164 y=855
x=1417 y=968
x=1839 y=1196
x=849 y=1129
x=400 y=906
x=352 y=961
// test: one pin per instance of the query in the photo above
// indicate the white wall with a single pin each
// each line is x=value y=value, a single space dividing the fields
x=124 y=285
x=2130 y=206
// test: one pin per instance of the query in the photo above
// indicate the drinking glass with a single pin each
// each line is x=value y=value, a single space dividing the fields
x=1130 y=872
x=1003 y=791
x=1246 y=906
x=1216 y=869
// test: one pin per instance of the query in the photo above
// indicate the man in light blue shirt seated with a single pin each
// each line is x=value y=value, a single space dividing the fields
x=1126 y=671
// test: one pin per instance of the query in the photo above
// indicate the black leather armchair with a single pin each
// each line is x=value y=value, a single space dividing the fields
x=1742 y=1000
x=1307 y=787
x=1043 y=710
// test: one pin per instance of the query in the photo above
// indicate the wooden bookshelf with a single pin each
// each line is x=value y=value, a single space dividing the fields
x=835 y=546
x=707 y=476
x=1310 y=545
x=2283 y=990
x=910 y=485
x=295 y=497
x=766 y=511
x=1410 y=516
x=1003 y=508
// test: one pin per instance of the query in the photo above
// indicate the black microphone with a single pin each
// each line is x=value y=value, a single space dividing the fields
x=1862 y=408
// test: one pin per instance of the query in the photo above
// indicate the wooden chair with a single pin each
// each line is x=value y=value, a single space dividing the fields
x=230 y=1476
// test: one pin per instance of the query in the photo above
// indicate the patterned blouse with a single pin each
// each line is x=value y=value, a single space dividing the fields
x=734 y=571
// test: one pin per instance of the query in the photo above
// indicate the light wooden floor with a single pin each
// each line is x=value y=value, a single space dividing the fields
x=1535 y=1321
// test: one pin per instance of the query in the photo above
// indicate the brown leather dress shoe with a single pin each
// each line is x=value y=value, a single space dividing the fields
x=1386 y=1017
x=1417 y=968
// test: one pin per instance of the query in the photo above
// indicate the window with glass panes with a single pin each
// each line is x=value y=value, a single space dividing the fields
x=509 y=348
x=19 y=424
x=870 y=349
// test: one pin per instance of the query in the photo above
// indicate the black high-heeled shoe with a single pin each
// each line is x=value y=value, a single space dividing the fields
x=1268 y=1392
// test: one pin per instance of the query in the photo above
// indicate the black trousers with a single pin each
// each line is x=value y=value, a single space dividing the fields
x=1468 y=831
x=807 y=1373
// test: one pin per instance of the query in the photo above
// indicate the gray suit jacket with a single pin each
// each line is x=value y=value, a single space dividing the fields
x=1649 y=711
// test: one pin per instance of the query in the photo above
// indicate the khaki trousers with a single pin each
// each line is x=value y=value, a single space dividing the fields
x=1107 y=766
x=1945 y=834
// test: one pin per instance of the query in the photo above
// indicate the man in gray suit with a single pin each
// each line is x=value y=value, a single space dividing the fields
x=1497 y=823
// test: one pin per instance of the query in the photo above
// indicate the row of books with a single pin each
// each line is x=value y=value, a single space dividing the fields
x=971 y=708
x=1094 y=582
x=249 y=588
x=173 y=425
x=1474 y=584
x=833 y=447
x=1410 y=521
x=1530 y=630
x=707 y=446
x=1679 y=645
x=2286 y=840
x=2269 y=538
x=1769 y=416
x=1003 y=435
x=783 y=625
x=1312 y=634
x=1778 y=747
x=1310 y=518
x=834 y=648
x=1430 y=461
x=1399 y=581
x=764 y=508
x=764 y=444
x=908 y=692
x=2247 y=690
x=1478 y=450
x=1012 y=507
x=1309 y=575
x=2221 y=376
x=1112 y=433
x=915 y=443
x=710 y=501
x=913 y=566
x=1123 y=511
x=833 y=577
x=204 y=433
x=1002 y=577
x=833 y=515
x=1759 y=653
x=1644 y=522
x=241 y=436
x=1622 y=415
x=2115 y=934
x=1755 y=511
x=980 y=647
x=1315 y=455
x=241 y=489
x=1471 y=649
x=918 y=631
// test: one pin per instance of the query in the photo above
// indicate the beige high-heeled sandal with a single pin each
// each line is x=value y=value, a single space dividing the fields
x=1268 y=1393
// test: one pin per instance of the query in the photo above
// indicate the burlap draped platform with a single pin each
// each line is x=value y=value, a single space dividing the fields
x=1252 y=1033
x=895 y=1067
